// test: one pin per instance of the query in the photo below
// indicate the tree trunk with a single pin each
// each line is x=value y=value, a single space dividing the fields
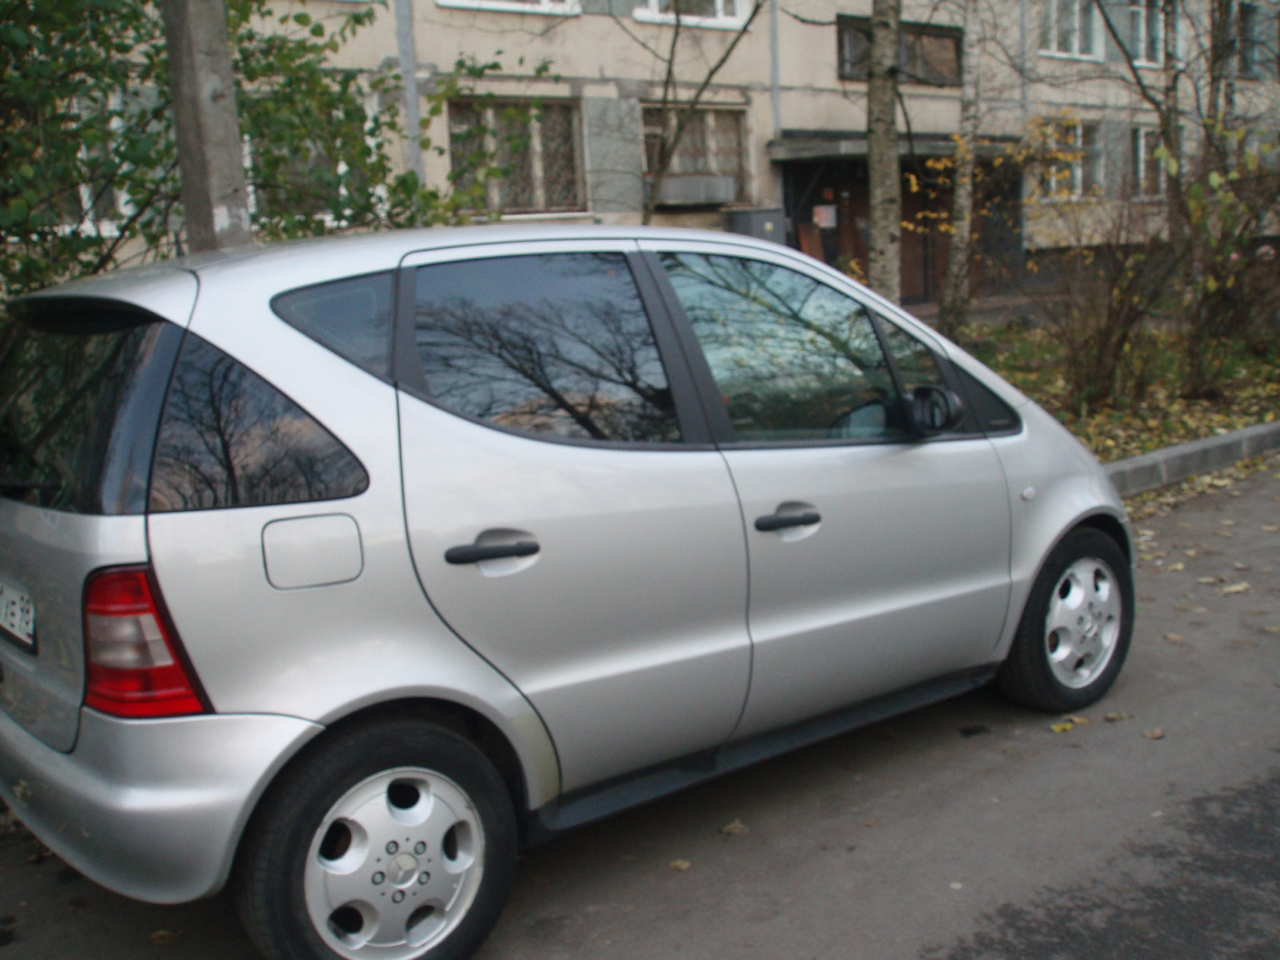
x=885 y=268
x=956 y=288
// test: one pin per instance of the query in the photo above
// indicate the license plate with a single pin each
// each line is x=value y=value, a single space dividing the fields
x=18 y=614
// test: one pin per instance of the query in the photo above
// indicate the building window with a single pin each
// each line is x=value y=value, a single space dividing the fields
x=562 y=8
x=927 y=53
x=713 y=143
x=1074 y=167
x=724 y=14
x=537 y=148
x=1069 y=27
x=1248 y=40
x=1146 y=31
x=1146 y=171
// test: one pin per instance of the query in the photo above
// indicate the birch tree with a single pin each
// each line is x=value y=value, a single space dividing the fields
x=884 y=173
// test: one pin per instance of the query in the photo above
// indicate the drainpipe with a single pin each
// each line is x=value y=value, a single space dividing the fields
x=775 y=69
x=1023 y=57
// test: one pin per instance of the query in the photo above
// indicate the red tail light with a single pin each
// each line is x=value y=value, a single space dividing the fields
x=134 y=661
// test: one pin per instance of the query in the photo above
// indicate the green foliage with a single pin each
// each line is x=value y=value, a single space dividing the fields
x=1229 y=295
x=90 y=179
x=1038 y=361
x=1126 y=270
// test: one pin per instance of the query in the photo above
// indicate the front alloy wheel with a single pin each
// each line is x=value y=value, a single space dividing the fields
x=1075 y=629
x=1082 y=626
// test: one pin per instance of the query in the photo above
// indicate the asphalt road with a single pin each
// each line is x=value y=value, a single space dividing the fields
x=967 y=831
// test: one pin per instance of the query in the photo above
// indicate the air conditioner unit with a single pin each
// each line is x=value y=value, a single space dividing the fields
x=695 y=190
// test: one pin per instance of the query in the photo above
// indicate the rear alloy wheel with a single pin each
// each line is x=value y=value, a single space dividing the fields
x=1076 y=627
x=396 y=841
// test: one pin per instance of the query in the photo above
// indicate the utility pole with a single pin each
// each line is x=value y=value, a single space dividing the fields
x=409 y=77
x=215 y=198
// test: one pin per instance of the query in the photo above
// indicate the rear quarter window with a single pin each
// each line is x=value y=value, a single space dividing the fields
x=228 y=438
x=352 y=317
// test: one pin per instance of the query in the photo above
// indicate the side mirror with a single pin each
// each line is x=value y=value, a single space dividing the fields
x=934 y=410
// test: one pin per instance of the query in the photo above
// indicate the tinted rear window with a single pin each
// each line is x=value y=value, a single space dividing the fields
x=80 y=388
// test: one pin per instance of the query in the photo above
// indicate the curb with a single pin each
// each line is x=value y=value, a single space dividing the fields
x=1161 y=467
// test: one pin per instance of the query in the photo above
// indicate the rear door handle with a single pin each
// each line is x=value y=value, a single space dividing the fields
x=475 y=552
x=780 y=521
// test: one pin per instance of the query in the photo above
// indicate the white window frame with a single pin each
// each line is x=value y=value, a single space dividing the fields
x=121 y=205
x=1143 y=142
x=712 y=116
x=1141 y=13
x=650 y=11
x=1049 y=29
x=546 y=8
x=1071 y=136
x=536 y=172
x=1250 y=46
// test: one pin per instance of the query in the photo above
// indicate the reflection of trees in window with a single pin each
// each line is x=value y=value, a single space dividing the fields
x=230 y=439
x=554 y=344
x=914 y=362
x=790 y=355
x=59 y=397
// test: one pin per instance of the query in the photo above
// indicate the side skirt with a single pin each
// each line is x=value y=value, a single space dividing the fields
x=611 y=796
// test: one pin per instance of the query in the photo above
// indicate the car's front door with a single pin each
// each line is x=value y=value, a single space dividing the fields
x=567 y=516
x=877 y=561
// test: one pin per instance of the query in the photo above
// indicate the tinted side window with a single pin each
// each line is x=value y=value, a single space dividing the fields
x=230 y=439
x=793 y=358
x=351 y=317
x=555 y=345
x=915 y=363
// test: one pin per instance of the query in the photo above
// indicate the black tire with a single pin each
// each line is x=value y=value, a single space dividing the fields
x=1068 y=663
x=398 y=828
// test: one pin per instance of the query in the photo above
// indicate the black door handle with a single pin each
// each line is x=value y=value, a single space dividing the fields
x=475 y=552
x=780 y=521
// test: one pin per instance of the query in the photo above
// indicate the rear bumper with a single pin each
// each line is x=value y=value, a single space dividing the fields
x=152 y=809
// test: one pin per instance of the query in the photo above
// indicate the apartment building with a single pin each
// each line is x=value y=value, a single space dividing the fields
x=778 y=145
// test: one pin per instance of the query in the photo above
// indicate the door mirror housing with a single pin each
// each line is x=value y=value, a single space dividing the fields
x=934 y=410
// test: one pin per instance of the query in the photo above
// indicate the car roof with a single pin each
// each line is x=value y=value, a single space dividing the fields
x=351 y=254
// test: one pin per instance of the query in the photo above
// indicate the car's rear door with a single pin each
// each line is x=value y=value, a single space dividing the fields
x=877 y=561
x=567 y=514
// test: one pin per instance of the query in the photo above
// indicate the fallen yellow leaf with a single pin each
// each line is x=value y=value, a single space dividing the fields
x=1174 y=637
x=1175 y=567
x=1156 y=734
x=681 y=865
x=1062 y=727
x=1235 y=588
x=734 y=828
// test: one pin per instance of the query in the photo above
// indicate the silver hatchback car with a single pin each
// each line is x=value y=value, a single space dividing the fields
x=337 y=571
